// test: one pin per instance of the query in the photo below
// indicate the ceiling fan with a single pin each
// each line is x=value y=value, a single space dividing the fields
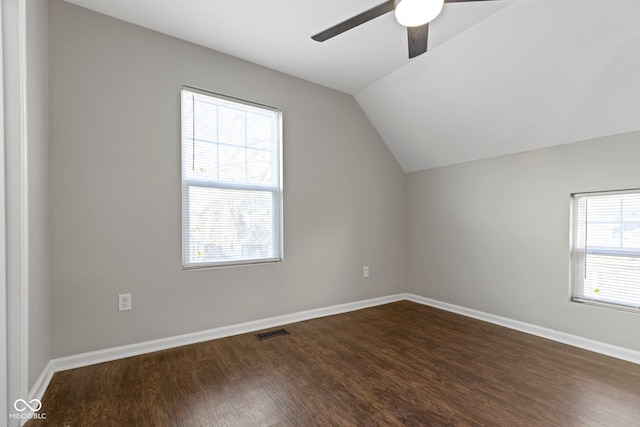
x=413 y=14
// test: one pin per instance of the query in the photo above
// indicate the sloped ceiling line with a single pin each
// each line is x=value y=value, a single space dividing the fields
x=500 y=77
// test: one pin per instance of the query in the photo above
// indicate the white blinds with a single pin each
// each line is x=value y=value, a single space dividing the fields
x=231 y=181
x=606 y=248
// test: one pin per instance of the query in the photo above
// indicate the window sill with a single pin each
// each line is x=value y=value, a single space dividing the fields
x=609 y=305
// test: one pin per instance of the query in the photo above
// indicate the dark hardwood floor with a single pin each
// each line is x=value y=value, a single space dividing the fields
x=401 y=364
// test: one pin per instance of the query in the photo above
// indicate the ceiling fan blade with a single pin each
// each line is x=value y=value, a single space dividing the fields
x=418 y=38
x=353 y=22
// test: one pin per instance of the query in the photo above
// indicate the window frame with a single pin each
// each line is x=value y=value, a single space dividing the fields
x=578 y=255
x=276 y=190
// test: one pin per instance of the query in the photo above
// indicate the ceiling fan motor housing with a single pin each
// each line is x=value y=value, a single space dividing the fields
x=413 y=13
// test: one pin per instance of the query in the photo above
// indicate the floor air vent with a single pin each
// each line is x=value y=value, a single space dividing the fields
x=272 y=334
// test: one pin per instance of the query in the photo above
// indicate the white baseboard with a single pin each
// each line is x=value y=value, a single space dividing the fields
x=36 y=392
x=559 y=336
x=110 y=354
x=41 y=384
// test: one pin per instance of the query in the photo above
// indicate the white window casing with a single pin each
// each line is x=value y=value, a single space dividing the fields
x=605 y=249
x=231 y=181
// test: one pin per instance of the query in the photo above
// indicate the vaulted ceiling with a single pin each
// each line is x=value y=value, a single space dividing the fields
x=500 y=76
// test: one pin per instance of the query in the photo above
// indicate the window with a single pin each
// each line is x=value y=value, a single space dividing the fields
x=231 y=181
x=606 y=249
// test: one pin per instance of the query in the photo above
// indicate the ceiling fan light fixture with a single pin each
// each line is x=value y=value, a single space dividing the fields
x=413 y=13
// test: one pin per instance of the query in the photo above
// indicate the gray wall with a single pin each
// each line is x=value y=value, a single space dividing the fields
x=38 y=186
x=493 y=235
x=115 y=191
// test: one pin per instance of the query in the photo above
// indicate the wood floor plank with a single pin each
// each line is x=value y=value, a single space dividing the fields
x=401 y=364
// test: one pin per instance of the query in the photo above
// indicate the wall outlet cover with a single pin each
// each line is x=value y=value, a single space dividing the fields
x=124 y=302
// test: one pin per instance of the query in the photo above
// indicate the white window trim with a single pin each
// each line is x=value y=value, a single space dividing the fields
x=277 y=191
x=578 y=256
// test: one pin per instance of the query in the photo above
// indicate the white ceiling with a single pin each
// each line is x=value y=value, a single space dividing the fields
x=500 y=77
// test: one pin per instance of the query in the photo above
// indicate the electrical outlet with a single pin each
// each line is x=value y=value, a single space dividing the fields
x=365 y=271
x=124 y=302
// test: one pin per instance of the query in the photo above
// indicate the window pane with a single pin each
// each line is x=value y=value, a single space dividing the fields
x=227 y=225
x=259 y=131
x=613 y=221
x=259 y=168
x=231 y=129
x=233 y=164
x=631 y=237
x=199 y=118
x=604 y=208
x=603 y=235
x=200 y=161
x=613 y=279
